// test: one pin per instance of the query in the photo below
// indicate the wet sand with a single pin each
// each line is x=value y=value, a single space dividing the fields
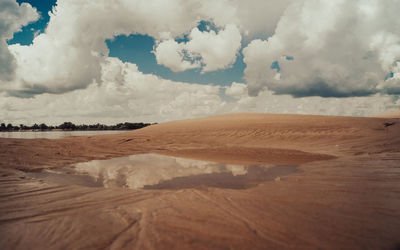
x=346 y=194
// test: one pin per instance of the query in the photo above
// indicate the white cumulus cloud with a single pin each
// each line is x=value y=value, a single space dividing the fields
x=206 y=49
x=339 y=48
x=69 y=54
x=12 y=18
x=126 y=94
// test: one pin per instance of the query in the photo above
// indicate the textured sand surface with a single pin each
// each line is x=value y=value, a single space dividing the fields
x=346 y=196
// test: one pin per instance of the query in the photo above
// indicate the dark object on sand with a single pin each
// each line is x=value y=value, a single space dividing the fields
x=387 y=124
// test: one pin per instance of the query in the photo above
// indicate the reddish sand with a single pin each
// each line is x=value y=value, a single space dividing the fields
x=346 y=196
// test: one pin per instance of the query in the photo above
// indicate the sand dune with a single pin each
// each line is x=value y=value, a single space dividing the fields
x=391 y=114
x=346 y=196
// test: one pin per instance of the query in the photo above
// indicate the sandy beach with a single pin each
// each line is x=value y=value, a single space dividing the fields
x=345 y=194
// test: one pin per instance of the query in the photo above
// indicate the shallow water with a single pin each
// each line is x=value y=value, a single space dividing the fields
x=56 y=134
x=152 y=171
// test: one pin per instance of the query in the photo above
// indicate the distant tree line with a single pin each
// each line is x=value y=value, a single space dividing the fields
x=69 y=126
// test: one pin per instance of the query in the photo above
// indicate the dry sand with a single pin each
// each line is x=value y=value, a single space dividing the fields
x=346 y=196
x=390 y=114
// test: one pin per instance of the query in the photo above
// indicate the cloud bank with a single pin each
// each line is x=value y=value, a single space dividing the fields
x=69 y=54
x=336 y=49
x=297 y=53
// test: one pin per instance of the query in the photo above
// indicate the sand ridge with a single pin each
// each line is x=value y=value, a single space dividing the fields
x=390 y=114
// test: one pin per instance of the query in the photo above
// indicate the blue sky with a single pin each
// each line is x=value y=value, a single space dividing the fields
x=25 y=37
x=137 y=49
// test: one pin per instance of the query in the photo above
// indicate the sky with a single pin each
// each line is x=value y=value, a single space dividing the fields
x=160 y=60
